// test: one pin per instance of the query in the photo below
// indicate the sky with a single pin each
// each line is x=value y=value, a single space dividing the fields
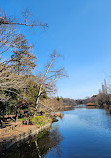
x=80 y=30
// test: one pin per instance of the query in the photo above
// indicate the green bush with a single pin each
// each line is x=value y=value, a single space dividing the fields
x=40 y=120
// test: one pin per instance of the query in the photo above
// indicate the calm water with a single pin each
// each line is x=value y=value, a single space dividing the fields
x=82 y=133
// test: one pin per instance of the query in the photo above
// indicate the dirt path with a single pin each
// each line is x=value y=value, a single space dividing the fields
x=16 y=132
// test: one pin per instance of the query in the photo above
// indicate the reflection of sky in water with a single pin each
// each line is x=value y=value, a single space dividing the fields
x=94 y=118
x=86 y=133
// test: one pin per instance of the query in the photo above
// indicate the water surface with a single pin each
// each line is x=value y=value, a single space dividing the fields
x=86 y=134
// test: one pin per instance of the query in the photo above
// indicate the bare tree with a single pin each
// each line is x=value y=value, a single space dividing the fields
x=7 y=35
x=27 y=20
x=8 y=30
x=9 y=82
x=46 y=81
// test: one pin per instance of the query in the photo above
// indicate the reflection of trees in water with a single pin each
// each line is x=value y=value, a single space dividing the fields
x=37 y=148
x=52 y=140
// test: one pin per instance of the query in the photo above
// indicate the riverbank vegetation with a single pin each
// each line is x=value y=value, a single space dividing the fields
x=100 y=100
x=22 y=93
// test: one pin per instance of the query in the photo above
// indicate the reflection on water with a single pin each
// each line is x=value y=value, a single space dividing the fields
x=87 y=134
x=82 y=133
x=51 y=141
x=81 y=106
x=36 y=148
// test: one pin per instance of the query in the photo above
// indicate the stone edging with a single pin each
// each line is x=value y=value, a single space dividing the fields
x=22 y=137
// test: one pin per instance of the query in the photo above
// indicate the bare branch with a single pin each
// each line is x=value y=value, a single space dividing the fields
x=46 y=82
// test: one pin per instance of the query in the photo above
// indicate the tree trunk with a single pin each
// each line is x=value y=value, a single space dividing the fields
x=37 y=98
x=36 y=105
x=36 y=144
x=16 y=116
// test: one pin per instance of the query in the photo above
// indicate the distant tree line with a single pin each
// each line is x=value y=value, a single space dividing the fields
x=68 y=101
x=101 y=100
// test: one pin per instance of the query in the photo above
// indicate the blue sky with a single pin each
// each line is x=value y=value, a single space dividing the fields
x=78 y=29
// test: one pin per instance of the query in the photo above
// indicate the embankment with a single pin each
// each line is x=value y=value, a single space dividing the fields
x=18 y=135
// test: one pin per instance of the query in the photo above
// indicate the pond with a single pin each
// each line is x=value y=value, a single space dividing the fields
x=81 y=133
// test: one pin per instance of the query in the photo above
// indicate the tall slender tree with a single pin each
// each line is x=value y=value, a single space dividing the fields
x=22 y=59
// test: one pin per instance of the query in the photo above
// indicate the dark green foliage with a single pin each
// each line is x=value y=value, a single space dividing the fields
x=32 y=90
x=9 y=106
x=25 y=108
x=2 y=109
x=22 y=60
x=59 y=98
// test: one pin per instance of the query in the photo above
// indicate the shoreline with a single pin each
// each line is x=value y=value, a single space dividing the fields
x=21 y=133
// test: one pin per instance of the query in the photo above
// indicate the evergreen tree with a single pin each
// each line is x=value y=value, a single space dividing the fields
x=22 y=59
